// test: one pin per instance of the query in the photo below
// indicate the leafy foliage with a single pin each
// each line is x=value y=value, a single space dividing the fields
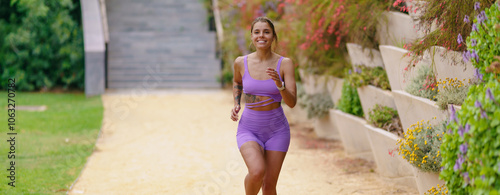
x=483 y=45
x=471 y=157
x=363 y=75
x=385 y=118
x=449 y=18
x=41 y=44
x=420 y=145
x=349 y=100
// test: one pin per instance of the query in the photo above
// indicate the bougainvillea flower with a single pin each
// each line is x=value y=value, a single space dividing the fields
x=466 y=19
x=477 y=6
x=489 y=94
x=463 y=148
x=459 y=39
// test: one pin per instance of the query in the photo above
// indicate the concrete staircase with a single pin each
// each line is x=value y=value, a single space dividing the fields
x=160 y=44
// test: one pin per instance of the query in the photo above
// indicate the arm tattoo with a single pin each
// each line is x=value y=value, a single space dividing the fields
x=237 y=91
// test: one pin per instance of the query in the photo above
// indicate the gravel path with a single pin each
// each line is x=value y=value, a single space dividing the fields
x=183 y=142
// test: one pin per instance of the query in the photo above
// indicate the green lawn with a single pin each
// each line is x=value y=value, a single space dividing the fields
x=51 y=146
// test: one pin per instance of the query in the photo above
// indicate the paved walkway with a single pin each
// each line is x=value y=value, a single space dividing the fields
x=183 y=142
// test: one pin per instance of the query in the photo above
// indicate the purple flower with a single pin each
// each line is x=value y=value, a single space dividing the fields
x=461 y=131
x=484 y=114
x=483 y=177
x=473 y=42
x=481 y=17
x=466 y=56
x=458 y=163
x=478 y=104
x=453 y=115
x=459 y=39
x=466 y=19
x=357 y=70
x=449 y=131
x=467 y=128
x=350 y=72
x=478 y=74
x=489 y=94
x=474 y=27
x=463 y=148
x=474 y=55
x=466 y=177
x=476 y=6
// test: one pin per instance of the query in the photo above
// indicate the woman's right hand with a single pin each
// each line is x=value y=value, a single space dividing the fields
x=234 y=113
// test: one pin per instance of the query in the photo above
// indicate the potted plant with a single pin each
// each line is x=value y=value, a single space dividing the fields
x=420 y=146
x=384 y=129
x=372 y=86
x=351 y=126
x=318 y=106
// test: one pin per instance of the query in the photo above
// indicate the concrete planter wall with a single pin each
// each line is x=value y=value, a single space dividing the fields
x=296 y=115
x=412 y=109
x=445 y=67
x=392 y=167
x=312 y=83
x=396 y=28
x=360 y=56
x=326 y=128
x=426 y=180
x=334 y=87
x=395 y=61
x=353 y=134
x=371 y=95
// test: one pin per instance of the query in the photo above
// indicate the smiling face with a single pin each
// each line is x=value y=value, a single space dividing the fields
x=262 y=35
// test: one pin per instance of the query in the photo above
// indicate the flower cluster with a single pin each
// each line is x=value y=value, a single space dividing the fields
x=420 y=145
x=386 y=118
x=441 y=189
x=482 y=44
x=452 y=91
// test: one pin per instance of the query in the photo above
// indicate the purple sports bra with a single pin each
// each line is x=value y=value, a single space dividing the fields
x=261 y=87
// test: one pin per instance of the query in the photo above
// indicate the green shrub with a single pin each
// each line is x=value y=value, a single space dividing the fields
x=471 y=157
x=317 y=105
x=423 y=84
x=483 y=44
x=349 y=100
x=420 y=145
x=363 y=75
x=453 y=91
x=41 y=44
x=386 y=118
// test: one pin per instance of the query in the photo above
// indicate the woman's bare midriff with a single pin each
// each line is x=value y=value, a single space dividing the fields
x=256 y=98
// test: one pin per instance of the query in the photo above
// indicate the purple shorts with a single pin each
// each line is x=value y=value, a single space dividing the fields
x=269 y=129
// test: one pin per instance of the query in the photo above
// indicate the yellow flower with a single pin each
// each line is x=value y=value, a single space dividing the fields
x=425 y=142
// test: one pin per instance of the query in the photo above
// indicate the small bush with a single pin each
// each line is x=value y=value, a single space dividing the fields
x=454 y=92
x=363 y=75
x=349 y=100
x=482 y=44
x=386 y=118
x=317 y=105
x=423 y=84
x=420 y=145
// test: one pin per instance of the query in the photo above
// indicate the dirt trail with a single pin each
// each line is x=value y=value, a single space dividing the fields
x=183 y=142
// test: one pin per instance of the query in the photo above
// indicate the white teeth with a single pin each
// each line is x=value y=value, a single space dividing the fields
x=260 y=41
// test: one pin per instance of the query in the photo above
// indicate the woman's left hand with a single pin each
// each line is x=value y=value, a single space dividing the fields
x=274 y=75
